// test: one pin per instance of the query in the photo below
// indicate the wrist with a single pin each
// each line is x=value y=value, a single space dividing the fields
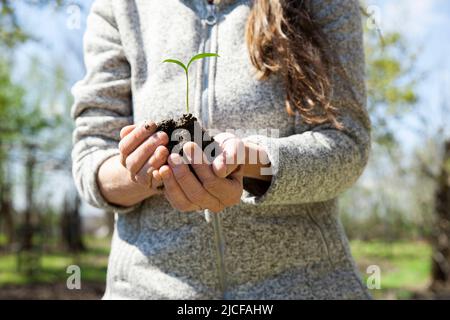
x=116 y=186
x=256 y=158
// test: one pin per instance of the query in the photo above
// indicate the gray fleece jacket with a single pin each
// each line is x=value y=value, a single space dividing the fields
x=285 y=244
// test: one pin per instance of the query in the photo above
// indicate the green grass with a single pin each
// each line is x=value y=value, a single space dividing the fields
x=405 y=266
x=53 y=265
x=2 y=239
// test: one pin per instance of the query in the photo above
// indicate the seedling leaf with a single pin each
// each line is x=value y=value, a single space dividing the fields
x=201 y=56
x=181 y=64
x=186 y=68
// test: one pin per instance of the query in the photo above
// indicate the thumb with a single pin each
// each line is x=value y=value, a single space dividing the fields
x=223 y=166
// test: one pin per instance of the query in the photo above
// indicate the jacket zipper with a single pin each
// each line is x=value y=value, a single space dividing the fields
x=210 y=21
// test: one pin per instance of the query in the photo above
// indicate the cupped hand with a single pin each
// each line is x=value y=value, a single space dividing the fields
x=231 y=156
x=185 y=192
x=143 y=151
x=234 y=153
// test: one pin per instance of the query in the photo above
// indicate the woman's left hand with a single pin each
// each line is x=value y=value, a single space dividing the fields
x=187 y=193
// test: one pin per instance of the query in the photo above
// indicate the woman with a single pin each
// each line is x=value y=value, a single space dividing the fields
x=290 y=80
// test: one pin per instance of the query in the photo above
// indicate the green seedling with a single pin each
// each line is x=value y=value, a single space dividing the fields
x=186 y=70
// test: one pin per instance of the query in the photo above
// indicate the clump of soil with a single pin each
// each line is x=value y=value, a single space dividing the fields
x=183 y=130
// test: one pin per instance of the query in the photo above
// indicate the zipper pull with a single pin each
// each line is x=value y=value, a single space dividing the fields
x=211 y=16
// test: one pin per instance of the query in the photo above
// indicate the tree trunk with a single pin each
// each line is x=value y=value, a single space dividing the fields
x=71 y=226
x=6 y=206
x=441 y=238
x=6 y=212
x=27 y=236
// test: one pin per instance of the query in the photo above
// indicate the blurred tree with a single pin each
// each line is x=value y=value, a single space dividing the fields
x=391 y=79
x=45 y=135
x=11 y=102
x=20 y=126
x=42 y=131
x=31 y=215
x=71 y=223
x=32 y=125
x=6 y=205
x=11 y=32
x=432 y=180
x=441 y=239
x=391 y=96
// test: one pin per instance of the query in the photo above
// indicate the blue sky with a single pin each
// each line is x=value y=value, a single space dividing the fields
x=424 y=23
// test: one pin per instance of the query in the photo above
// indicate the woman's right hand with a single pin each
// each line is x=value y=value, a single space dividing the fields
x=143 y=151
x=128 y=179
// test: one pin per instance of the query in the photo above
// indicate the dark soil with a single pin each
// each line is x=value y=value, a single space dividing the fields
x=182 y=130
x=430 y=295
x=52 y=291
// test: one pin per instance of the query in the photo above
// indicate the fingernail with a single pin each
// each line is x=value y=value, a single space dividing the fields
x=148 y=125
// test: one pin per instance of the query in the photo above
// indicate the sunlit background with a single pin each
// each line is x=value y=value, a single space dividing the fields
x=397 y=216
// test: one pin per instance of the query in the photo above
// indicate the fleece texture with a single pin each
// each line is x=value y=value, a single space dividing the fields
x=287 y=243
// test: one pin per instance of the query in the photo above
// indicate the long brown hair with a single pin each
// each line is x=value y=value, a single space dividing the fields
x=282 y=38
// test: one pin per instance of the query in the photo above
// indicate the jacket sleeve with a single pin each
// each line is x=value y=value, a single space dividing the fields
x=319 y=164
x=102 y=103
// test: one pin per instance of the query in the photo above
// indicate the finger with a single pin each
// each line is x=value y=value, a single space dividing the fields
x=233 y=183
x=145 y=174
x=227 y=190
x=236 y=177
x=123 y=133
x=136 y=160
x=210 y=182
x=223 y=167
x=159 y=157
x=174 y=193
x=191 y=187
x=126 y=130
x=147 y=180
x=143 y=177
x=135 y=138
x=232 y=156
x=157 y=179
x=222 y=137
x=157 y=183
x=157 y=160
x=199 y=162
x=219 y=166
